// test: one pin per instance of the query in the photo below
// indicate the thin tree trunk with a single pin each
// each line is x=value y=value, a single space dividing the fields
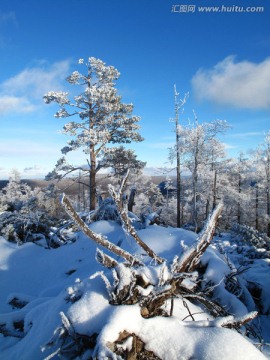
x=182 y=213
x=215 y=190
x=268 y=209
x=92 y=157
x=79 y=195
x=178 y=188
x=239 y=204
x=83 y=194
x=257 y=208
x=178 y=177
x=207 y=209
x=195 y=184
x=92 y=179
x=131 y=201
x=178 y=169
x=195 y=210
x=177 y=107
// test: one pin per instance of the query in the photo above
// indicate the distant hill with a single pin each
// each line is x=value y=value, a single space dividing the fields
x=68 y=185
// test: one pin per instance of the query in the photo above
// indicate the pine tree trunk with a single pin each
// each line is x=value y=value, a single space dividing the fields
x=215 y=190
x=92 y=179
x=131 y=201
x=93 y=171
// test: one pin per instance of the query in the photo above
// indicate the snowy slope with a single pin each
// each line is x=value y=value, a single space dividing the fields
x=67 y=283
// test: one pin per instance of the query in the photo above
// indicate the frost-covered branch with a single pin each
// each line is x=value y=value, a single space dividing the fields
x=229 y=322
x=105 y=260
x=127 y=223
x=99 y=239
x=190 y=258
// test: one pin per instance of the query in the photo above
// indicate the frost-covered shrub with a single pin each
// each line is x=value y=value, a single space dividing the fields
x=14 y=195
x=22 y=226
x=251 y=242
x=27 y=215
x=105 y=211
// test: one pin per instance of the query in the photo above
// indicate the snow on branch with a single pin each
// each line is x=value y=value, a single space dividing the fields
x=239 y=321
x=129 y=228
x=105 y=260
x=229 y=322
x=190 y=258
x=99 y=239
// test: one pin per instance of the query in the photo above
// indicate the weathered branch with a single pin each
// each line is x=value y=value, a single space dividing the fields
x=226 y=321
x=117 y=197
x=213 y=308
x=190 y=259
x=152 y=305
x=238 y=322
x=99 y=239
x=105 y=260
x=123 y=186
x=136 y=351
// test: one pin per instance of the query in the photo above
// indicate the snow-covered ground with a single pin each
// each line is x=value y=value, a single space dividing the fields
x=41 y=289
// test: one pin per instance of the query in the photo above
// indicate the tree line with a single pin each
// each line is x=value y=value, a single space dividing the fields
x=104 y=121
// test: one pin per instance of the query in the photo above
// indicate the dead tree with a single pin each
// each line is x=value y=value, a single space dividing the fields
x=99 y=239
x=132 y=283
x=191 y=258
x=123 y=213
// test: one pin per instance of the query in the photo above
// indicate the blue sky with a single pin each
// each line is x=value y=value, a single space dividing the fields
x=221 y=58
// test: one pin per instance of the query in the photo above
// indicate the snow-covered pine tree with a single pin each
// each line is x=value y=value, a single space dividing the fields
x=103 y=118
x=120 y=160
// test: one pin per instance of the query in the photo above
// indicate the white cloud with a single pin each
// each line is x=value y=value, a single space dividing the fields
x=248 y=134
x=22 y=154
x=15 y=104
x=25 y=90
x=38 y=80
x=20 y=149
x=32 y=172
x=228 y=146
x=240 y=84
x=161 y=145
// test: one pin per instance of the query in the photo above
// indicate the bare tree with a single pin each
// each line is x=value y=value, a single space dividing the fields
x=178 y=105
